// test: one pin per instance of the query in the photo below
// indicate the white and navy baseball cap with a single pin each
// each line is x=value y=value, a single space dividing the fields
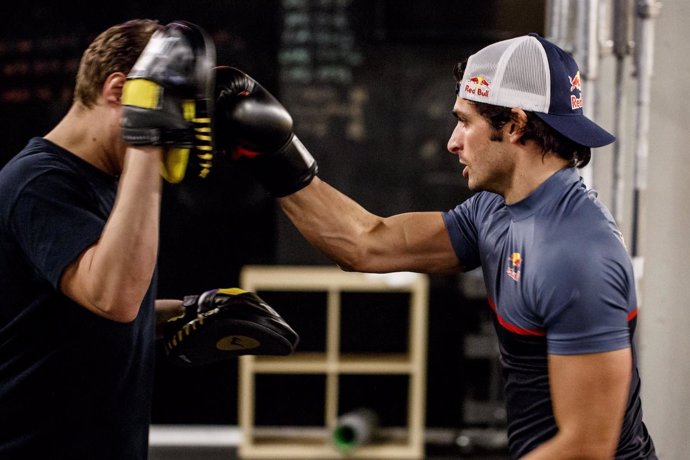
x=533 y=74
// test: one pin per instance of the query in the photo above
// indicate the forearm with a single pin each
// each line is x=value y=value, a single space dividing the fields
x=112 y=277
x=560 y=448
x=589 y=395
x=332 y=222
x=128 y=249
x=358 y=240
x=166 y=309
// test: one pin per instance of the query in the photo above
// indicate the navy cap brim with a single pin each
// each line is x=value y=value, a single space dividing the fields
x=578 y=128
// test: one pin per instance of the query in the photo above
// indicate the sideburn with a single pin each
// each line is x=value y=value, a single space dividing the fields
x=496 y=135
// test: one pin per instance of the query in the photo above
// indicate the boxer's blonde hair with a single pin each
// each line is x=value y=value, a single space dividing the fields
x=113 y=50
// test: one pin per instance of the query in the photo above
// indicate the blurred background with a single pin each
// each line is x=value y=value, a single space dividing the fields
x=370 y=86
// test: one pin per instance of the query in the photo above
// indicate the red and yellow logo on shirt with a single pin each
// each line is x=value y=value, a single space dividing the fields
x=514 y=266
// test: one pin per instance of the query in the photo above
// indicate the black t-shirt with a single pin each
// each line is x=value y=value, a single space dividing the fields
x=72 y=384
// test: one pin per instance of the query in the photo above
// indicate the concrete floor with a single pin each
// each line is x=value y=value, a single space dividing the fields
x=218 y=453
x=220 y=443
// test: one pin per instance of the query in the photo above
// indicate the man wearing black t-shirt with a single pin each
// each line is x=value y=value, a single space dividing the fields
x=79 y=224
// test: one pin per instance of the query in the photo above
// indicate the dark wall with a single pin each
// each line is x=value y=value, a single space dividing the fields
x=372 y=103
x=41 y=44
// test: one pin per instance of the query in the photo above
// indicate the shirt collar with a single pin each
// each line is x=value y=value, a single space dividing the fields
x=547 y=192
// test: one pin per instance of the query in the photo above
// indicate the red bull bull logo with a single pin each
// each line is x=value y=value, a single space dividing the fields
x=575 y=84
x=477 y=85
x=514 y=266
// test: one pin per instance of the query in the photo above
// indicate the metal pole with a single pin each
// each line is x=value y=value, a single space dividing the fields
x=587 y=56
x=553 y=19
x=647 y=11
x=622 y=31
x=558 y=27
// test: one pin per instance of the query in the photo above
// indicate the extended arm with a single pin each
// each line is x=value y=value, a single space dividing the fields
x=589 y=394
x=358 y=240
x=253 y=126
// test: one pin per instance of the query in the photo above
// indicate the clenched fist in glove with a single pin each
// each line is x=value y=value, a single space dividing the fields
x=251 y=125
x=168 y=98
x=226 y=323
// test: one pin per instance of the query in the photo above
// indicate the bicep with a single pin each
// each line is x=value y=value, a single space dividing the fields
x=75 y=282
x=589 y=394
x=416 y=241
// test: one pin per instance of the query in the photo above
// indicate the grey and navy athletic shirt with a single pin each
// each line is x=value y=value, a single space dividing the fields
x=560 y=281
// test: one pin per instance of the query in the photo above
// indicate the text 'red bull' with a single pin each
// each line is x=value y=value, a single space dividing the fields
x=474 y=84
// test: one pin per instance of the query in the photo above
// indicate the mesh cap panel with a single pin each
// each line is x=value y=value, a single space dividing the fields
x=527 y=71
x=515 y=73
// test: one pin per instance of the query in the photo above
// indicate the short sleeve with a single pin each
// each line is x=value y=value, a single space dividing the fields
x=586 y=300
x=54 y=221
x=464 y=224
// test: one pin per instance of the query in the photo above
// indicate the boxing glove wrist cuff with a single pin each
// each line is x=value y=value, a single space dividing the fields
x=284 y=172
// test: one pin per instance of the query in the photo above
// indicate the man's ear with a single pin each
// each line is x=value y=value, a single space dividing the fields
x=112 y=88
x=516 y=125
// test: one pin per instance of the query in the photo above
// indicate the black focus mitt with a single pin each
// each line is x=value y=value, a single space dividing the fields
x=226 y=323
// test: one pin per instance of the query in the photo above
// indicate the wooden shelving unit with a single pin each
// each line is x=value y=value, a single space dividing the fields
x=314 y=442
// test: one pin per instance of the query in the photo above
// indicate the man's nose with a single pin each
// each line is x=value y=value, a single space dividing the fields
x=454 y=144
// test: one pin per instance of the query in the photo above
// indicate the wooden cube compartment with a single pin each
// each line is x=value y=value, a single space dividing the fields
x=341 y=366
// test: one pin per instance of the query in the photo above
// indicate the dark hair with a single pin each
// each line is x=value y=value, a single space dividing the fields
x=547 y=138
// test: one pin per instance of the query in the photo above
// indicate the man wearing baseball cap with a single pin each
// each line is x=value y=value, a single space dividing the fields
x=559 y=279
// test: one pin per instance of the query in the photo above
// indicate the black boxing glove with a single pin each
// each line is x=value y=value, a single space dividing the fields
x=251 y=125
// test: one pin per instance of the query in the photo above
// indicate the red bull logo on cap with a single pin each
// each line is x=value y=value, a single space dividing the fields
x=575 y=84
x=477 y=85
